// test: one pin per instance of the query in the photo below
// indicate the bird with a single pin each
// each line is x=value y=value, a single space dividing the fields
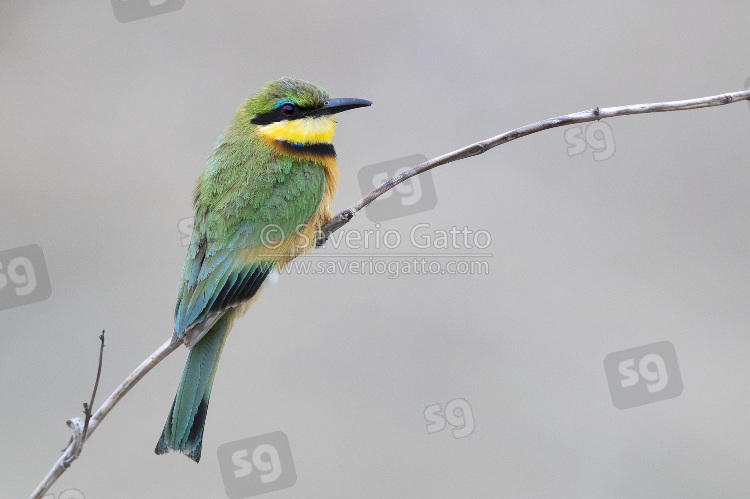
x=267 y=190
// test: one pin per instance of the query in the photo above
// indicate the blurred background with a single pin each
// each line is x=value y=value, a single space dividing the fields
x=485 y=383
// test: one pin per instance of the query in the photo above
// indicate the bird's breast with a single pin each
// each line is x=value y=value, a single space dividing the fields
x=307 y=139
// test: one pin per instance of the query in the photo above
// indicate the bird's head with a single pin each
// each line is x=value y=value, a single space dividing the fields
x=296 y=112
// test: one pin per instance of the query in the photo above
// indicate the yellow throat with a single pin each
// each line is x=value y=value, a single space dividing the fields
x=302 y=131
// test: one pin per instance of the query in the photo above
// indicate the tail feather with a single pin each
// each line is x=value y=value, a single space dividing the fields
x=183 y=431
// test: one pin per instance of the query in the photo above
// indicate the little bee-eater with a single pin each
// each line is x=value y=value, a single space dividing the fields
x=274 y=168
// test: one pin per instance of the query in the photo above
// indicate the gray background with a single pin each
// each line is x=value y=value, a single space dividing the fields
x=105 y=126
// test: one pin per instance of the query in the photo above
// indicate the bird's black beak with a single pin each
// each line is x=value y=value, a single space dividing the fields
x=333 y=106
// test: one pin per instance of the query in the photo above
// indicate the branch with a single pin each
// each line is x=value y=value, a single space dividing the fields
x=485 y=145
x=71 y=452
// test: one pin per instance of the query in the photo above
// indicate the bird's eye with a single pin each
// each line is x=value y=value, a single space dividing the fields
x=288 y=109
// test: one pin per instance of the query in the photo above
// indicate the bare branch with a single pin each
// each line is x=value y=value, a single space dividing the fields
x=477 y=148
x=81 y=432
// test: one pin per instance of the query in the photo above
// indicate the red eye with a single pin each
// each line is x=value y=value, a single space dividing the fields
x=288 y=109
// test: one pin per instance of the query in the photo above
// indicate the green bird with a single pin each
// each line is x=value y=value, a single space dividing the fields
x=267 y=189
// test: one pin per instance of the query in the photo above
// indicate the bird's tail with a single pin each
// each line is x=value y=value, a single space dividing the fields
x=183 y=430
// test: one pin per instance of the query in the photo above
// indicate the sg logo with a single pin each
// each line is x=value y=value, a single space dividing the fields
x=66 y=494
x=256 y=465
x=597 y=135
x=643 y=375
x=133 y=10
x=411 y=196
x=185 y=228
x=457 y=413
x=23 y=277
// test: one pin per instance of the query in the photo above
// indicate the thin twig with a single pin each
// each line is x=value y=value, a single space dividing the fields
x=87 y=407
x=345 y=216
